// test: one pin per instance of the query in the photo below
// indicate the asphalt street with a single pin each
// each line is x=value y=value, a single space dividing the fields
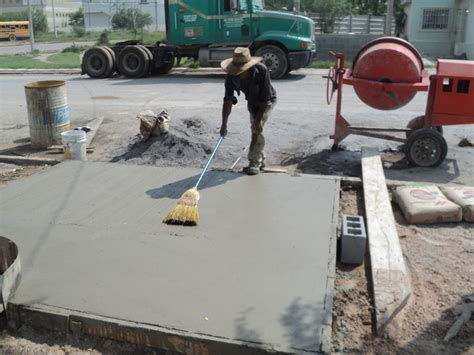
x=297 y=132
x=24 y=46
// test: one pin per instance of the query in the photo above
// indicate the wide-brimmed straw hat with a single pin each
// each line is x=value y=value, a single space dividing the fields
x=240 y=61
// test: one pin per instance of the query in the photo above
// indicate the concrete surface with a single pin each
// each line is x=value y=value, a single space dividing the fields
x=297 y=132
x=258 y=269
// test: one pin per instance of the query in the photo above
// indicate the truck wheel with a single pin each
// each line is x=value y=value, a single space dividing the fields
x=150 y=61
x=98 y=63
x=417 y=123
x=166 y=68
x=114 y=60
x=426 y=147
x=12 y=38
x=132 y=62
x=275 y=60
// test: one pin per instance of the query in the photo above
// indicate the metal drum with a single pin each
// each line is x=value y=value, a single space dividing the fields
x=48 y=112
x=387 y=60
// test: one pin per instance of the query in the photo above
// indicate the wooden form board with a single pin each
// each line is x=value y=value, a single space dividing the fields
x=390 y=280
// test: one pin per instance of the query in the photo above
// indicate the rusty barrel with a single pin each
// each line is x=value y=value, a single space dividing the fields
x=48 y=112
x=387 y=60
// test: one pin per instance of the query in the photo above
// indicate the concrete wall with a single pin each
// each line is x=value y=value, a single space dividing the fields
x=349 y=44
x=433 y=42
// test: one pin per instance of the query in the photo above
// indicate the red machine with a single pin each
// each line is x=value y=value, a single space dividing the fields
x=386 y=74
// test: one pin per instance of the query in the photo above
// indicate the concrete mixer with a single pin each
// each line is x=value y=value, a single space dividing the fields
x=386 y=74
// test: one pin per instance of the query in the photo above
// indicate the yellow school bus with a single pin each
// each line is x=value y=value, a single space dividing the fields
x=12 y=30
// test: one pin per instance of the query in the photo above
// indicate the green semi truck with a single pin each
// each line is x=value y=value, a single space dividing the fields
x=208 y=31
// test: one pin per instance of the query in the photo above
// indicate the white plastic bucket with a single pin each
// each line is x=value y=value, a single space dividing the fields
x=74 y=145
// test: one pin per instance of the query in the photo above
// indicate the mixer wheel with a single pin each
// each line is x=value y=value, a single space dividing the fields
x=417 y=123
x=426 y=147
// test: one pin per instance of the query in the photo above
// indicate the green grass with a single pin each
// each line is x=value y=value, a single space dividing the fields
x=29 y=61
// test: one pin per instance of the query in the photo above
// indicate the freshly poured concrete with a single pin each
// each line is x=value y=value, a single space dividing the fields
x=258 y=269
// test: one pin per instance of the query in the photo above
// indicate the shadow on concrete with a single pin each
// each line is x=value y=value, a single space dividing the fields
x=212 y=178
x=300 y=321
x=243 y=332
x=293 y=77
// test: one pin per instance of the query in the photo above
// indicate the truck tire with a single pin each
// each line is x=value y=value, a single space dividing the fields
x=98 y=63
x=114 y=60
x=150 y=61
x=133 y=62
x=275 y=59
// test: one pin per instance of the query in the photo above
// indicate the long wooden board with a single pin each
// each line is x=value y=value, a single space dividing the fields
x=390 y=280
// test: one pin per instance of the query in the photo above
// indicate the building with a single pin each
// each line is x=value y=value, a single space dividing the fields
x=441 y=28
x=62 y=10
x=98 y=13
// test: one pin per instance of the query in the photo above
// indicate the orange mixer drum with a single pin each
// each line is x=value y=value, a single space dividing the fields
x=389 y=60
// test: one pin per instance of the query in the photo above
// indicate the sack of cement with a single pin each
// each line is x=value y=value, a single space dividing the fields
x=152 y=123
x=464 y=197
x=425 y=205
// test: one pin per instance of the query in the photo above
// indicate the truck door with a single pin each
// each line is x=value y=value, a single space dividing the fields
x=190 y=23
x=235 y=22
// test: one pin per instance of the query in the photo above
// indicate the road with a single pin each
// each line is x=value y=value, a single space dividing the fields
x=296 y=134
x=24 y=46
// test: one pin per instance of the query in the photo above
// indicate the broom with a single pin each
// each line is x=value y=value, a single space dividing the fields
x=186 y=210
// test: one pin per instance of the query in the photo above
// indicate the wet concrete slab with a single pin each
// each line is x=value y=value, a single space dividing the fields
x=257 y=273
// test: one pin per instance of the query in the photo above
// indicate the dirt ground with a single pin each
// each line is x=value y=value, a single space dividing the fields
x=440 y=260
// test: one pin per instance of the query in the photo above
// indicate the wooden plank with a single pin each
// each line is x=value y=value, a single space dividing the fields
x=390 y=280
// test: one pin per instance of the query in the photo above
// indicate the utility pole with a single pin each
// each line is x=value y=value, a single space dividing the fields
x=296 y=6
x=32 y=34
x=156 y=15
x=388 y=18
x=54 y=20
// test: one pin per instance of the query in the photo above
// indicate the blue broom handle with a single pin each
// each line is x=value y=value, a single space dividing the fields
x=209 y=162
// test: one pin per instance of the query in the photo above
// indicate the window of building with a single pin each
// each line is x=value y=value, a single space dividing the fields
x=463 y=86
x=435 y=19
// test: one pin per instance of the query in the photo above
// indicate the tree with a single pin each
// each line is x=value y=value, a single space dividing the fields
x=328 y=11
x=131 y=19
x=370 y=7
x=40 y=23
x=76 y=21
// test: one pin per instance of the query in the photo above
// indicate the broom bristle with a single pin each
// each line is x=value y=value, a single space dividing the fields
x=186 y=210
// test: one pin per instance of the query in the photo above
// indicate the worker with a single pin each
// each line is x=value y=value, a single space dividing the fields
x=247 y=74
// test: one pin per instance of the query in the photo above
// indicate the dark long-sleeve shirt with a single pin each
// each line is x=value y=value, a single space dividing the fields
x=257 y=88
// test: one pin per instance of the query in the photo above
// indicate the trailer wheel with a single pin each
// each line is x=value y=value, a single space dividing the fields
x=417 y=123
x=426 y=148
x=275 y=60
x=12 y=38
x=114 y=60
x=150 y=60
x=132 y=62
x=98 y=63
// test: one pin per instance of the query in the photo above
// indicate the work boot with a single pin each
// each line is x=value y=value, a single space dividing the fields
x=253 y=168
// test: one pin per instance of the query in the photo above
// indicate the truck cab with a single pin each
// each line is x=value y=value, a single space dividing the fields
x=214 y=28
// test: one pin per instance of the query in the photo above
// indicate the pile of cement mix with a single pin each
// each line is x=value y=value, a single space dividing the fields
x=188 y=143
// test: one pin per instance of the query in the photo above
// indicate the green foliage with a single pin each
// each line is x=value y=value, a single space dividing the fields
x=40 y=22
x=74 y=49
x=131 y=19
x=28 y=61
x=328 y=10
x=103 y=39
x=77 y=18
x=76 y=21
x=370 y=7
